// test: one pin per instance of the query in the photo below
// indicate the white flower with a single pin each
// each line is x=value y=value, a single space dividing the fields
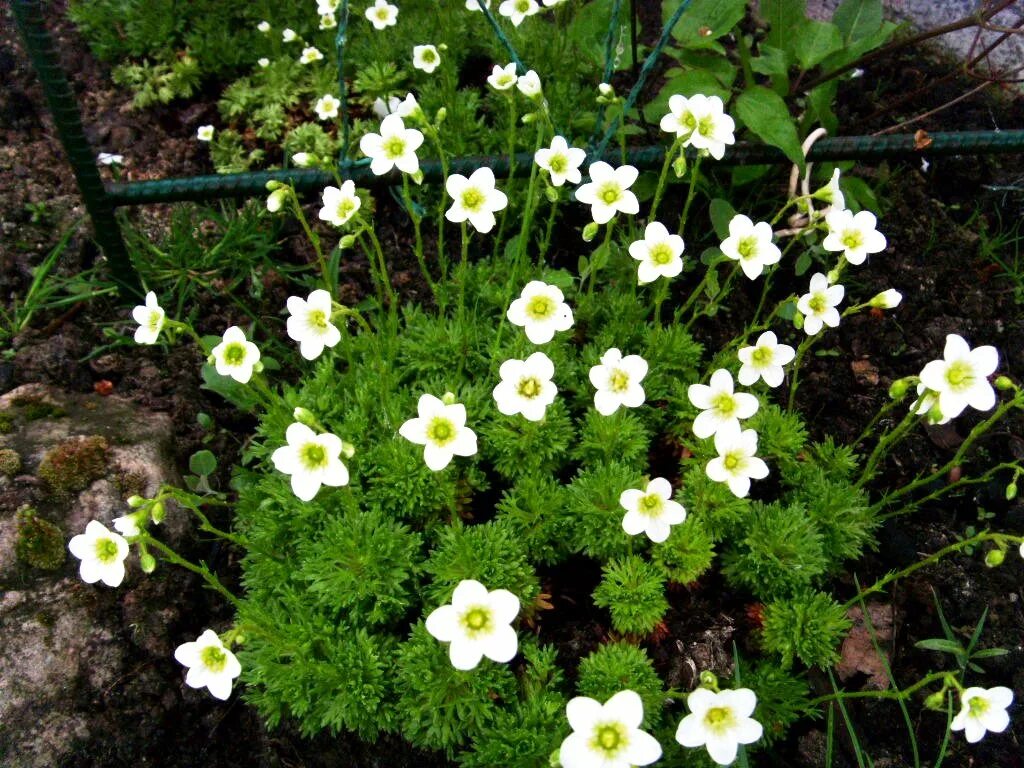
x=888 y=299
x=474 y=199
x=276 y=198
x=328 y=21
x=764 y=360
x=720 y=721
x=736 y=463
x=382 y=14
x=561 y=161
x=310 y=54
x=607 y=191
x=529 y=85
x=327 y=107
x=982 y=710
x=324 y=7
x=150 y=318
x=339 y=205
x=395 y=146
x=473 y=5
x=831 y=193
x=659 y=254
x=396 y=106
x=312 y=460
x=263 y=61
x=426 y=57
x=701 y=122
x=310 y=323
x=961 y=377
x=818 y=305
x=607 y=735
x=205 y=133
x=720 y=407
x=617 y=380
x=751 y=245
x=552 y=3
x=927 y=405
x=541 y=311
x=442 y=429
x=302 y=159
x=651 y=511
x=106 y=158
x=502 y=78
x=263 y=26
x=517 y=10
x=127 y=525
x=234 y=356
x=477 y=623
x=854 y=235
x=210 y=664
x=526 y=386
x=289 y=36
x=102 y=553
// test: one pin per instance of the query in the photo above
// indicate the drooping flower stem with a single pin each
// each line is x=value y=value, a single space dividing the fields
x=888 y=440
x=663 y=178
x=200 y=570
x=902 y=694
x=690 y=193
x=384 y=287
x=717 y=299
x=945 y=489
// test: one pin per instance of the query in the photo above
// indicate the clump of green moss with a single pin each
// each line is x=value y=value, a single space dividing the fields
x=10 y=462
x=6 y=423
x=131 y=483
x=74 y=464
x=34 y=408
x=40 y=542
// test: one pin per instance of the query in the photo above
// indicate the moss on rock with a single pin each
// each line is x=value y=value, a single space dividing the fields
x=10 y=462
x=40 y=542
x=74 y=464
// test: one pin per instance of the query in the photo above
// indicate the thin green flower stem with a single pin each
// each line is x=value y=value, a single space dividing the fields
x=463 y=269
x=717 y=298
x=743 y=49
x=548 y=231
x=769 y=274
x=789 y=204
x=510 y=140
x=606 y=245
x=378 y=281
x=381 y=263
x=314 y=239
x=883 y=411
x=442 y=156
x=420 y=257
x=902 y=694
x=660 y=294
x=663 y=177
x=531 y=190
x=1001 y=539
x=694 y=295
x=194 y=504
x=690 y=193
x=888 y=439
x=948 y=488
x=947 y=733
x=200 y=570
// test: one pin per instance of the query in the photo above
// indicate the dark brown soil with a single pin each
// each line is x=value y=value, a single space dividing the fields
x=933 y=259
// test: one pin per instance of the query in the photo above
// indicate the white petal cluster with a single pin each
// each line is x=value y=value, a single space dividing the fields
x=108 y=158
x=982 y=710
x=764 y=361
x=751 y=245
x=617 y=381
x=426 y=58
x=382 y=14
x=561 y=161
x=210 y=664
x=235 y=356
x=474 y=5
x=102 y=553
x=818 y=305
x=205 y=133
x=660 y=254
x=720 y=722
x=853 y=234
x=887 y=299
x=736 y=463
x=475 y=199
x=326 y=107
x=700 y=121
x=526 y=387
x=441 y=429
x=501 y=78
x=328 y=21
x=394 y=147
x=607 y=192
x=310 y=323
x=541 y=311
x=651 y=511
x=150 y=318
x=339 y=204
x=721 y=408
x=529 y=85
x=289 y=35
x=517 y=10
x=312 y=460
x=476 y=623
x=607 y=735
x=310 y=54
x=960 y=379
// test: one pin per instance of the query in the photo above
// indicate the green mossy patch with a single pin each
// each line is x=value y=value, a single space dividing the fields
x=10 y=462
x=74 y=464
x=40 y=542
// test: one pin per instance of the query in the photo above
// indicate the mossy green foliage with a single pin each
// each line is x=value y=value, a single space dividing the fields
x=6 y=423
x=10 y=462
x=34 y=408
x=633 y=590
x=40 y=543
x=808 y=626
x=73 y=465
x=617 y=666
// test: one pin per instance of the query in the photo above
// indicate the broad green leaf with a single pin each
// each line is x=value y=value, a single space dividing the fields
x=746 y=174
x=858 y=195
x=721 y=214
x=783 y=17
x=772 y=61
x=239 y=395
x=589 y=29
x=645 y=186
x=202 y=463
x=820 y=101
x=857 y=19
x=704 y=21
x=719 y=66
x=766 y=115
x=858 y=48
x=815 y=41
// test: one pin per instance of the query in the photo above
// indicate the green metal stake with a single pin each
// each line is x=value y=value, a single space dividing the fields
x=28 y=15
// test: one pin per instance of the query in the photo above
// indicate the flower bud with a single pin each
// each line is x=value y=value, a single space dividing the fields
x=263 y=61
x=448 y=398
x=273 y=186
x=679 y=165
x=590 y=231
x=531 y=117
x=304 y=416
x=833 y=276
x=1004 y=383
x=798 y=321
x=147 y=562
x=1011 y=491
x=551 y=194
x=418 y=177
x=347 y=242
x=898 y=389
x=605 y=89
x=158 y=512
x=136 y=501
x=258 y=367
x=303 y=159
x=347 y=449
x=440 y=115
x=936 y=701
x=708 y=680
x=994 y=558
x=887 y=299
x=555 y=759
x=275 y=200
x=935 y=414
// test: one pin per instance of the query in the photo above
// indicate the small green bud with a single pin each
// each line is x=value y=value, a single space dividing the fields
x=935 y=414
x=798 y=321
x=304 y=416
x=679 y=165
x=936 y=701
x=448 y=398
x=136 y=501
x=1004 y=383
x=418 y=177
x=347 y=242
x=147 y=562
x=590 y=231
x=158 y=512
x=551 y=193
x=833 y=276
x=258 y=367
x=530 y=117
x=440 y=115
x=273 y=186
x=994 y=558
x=1011 y=491
x=347 y=449
x=554 y=759
x=898 y=389
x=708 y=680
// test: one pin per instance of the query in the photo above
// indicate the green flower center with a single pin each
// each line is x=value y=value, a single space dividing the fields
x=477 y=620
x=724 y=403
x=977 y=705
x=960 y=375
x=504 y=80
x=345 y=208
x=688 y=120
x=213 y=658
x=747 y=247
x=558 y=163
x=540 y=307
x=852 y=239
x=529 y=387
x=761 y=356
x=719 y=719
x=523 y=6
x=234 y=353
x=382 y=14
x=609 y=193
x=661 y=254
x=106 y=550
x=472 y=199
x=313 y=456
x=441 y=431
x=732 y=461
x=609 y=738
x=428 y=56
x=651 y=505
x=818 y=303
x=156 y=317
x=394 y=147
x=619 y=380
x=318 y=319
x=706 y=126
